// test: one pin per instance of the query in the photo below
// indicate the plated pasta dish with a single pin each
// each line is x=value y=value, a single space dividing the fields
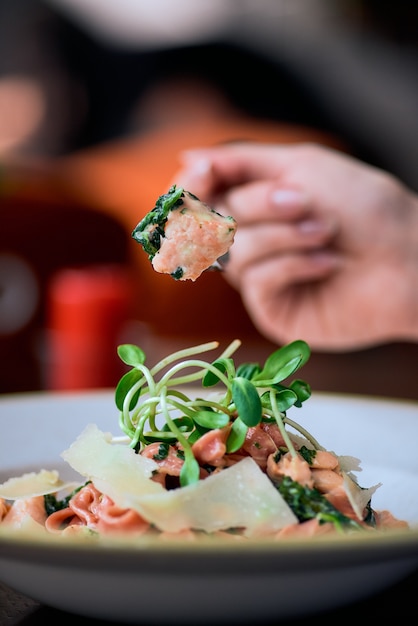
x=231 y=460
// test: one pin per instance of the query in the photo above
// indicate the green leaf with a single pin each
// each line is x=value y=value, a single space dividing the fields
x=247 y=401
x=124 y=386
x=190 y=471
x=224 y=365
x=159 y=435
x=302 y=390
x=285 y=399
x=131 y=355
x=207 y=418
x=248 y=370
x=211 y=419
x=198 y=432
x=237 y=435
x=283 y=363
x=184 y=424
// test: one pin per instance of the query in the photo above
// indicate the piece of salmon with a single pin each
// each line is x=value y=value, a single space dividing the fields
x=183 y=236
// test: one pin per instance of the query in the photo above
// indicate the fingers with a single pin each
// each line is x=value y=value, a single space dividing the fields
x=210 y=171
x=279 y=272
x=267 y=201
x=282 y=296
x=263 y=201
x=198 y=177
x=253 y=188
x=272 y=240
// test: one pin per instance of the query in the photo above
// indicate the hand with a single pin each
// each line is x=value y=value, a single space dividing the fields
x=326 y=248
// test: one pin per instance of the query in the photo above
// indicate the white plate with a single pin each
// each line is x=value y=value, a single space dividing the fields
x=186 y=583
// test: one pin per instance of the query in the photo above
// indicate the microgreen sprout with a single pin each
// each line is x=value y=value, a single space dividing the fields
x=152 y=408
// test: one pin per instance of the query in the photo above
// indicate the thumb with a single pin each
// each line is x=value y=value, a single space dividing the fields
x=196 y=176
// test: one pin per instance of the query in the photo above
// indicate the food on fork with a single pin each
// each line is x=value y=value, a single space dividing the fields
x=183 y=236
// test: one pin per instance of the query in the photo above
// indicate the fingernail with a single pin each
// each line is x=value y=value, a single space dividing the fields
x=191 y=156
x=200 y=167
x=285 y=197
x=317 y=226
x=326 y=258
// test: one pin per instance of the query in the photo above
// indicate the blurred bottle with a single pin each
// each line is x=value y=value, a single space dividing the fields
x=88 y=309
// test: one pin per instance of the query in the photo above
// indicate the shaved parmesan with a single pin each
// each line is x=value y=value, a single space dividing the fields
x=358 y=496
x=241 y=496
x=349 y=463
x=32 y=484
x=117 y=466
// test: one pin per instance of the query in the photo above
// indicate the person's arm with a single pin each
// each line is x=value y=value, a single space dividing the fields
x=326 y=247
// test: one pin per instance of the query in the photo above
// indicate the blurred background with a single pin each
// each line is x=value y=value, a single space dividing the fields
x=97 y=98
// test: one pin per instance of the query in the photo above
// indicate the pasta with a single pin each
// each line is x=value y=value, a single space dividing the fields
x=229 y=464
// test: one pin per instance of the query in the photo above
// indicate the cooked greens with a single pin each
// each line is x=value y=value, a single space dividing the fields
x=307 y=503
x=150 y=230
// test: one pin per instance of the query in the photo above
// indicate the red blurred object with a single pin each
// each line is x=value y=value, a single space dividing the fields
x=88 y=309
